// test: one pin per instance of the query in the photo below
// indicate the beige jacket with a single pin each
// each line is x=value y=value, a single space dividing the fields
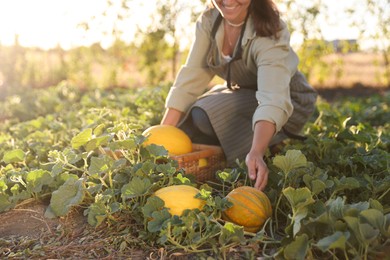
x=272 y=64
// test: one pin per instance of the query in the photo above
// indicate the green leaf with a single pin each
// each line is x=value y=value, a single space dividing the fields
x=100 y=165
x=57 y=169
x=69 y=194
x=223 y=175
x=298 y=216
x=147 y=167
x=135 y=188
x=96 y=214
x=72 y=156
x=82 y=138
x=298 y=197
x=152 y=204
x=231 y=233
x=355 y=208
x=292 y=160
x=127 y=144
x=99 y=129
x=203 y=194
x=3 y=186
x=167 y=169
x=229 y=175
x=180 y=179
x=5 y=204
x=157 y=150
x=317 y=186
x=375 y=218
x=299 y=200
x=114 y=207
x=376 y=205
x=336 y=240
x=16 y=155
x=96 y=142
x=346 y=183
x=159 y=220
x=36 y=179
x=353 y=225
x=336 y=208
x=297 y=249
x=368 y=233
x=222 y=203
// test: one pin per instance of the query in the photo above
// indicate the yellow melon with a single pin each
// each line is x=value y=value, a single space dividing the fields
x=203 y=162
x=175 y=140
x=178 y=198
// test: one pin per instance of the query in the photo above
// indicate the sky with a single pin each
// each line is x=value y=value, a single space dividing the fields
x=47 y=23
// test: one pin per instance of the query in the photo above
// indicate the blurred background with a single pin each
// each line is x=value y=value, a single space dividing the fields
x=133 y=43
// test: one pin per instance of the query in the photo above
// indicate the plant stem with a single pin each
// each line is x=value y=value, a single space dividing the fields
x=279 y=200
x=384 y=194
x=110 y=179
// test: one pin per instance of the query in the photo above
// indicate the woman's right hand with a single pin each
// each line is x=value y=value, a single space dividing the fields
x=171 y=117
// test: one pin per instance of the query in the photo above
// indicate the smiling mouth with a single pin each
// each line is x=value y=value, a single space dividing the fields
x=229 y=7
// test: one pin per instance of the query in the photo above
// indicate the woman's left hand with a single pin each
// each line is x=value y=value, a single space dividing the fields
x=257 y=169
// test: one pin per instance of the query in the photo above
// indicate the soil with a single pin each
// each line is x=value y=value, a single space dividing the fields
x=25 y=233
x=357 y=90
x=27 y=219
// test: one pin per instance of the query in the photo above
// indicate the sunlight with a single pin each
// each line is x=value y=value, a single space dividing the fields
x=46 y=23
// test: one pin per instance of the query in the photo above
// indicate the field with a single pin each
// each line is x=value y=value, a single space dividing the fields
x=351 y=69
x=62 y=196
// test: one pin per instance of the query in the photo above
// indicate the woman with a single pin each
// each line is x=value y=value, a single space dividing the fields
x=265 y=99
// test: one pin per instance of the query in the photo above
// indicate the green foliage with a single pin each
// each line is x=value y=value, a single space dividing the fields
x=330 y=193
x=153 y=51
x=311 y=64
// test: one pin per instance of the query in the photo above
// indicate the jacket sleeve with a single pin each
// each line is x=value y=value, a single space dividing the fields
x=194 y=76
x=276 y=63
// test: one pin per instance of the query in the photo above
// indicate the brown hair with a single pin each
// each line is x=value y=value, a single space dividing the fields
x=266 y=17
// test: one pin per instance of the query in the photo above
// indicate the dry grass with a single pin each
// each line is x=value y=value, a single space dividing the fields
x=352 y=69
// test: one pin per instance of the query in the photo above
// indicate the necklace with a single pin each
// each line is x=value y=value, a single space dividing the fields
x=231 y=33
x=235 y=24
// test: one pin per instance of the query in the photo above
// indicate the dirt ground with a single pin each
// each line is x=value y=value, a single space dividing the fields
x=357 y=90
x=25 y=233
x=27 y=219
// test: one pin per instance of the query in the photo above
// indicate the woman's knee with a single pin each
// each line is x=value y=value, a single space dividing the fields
x=202 y=121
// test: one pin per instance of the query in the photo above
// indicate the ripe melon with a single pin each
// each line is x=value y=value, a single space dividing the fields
x=251 y=208
x=203 y=162
x=175 y=140
x=178 y=198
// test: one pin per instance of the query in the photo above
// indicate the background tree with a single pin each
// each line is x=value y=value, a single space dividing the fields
x=376 y=27
x=303 y=19
x=168 y=27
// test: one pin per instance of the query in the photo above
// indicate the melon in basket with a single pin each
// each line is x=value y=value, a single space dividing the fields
x=175 y=140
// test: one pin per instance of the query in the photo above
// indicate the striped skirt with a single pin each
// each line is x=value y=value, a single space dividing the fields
x=230 y=113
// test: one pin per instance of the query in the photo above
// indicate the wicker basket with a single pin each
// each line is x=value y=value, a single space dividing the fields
x=213 y=156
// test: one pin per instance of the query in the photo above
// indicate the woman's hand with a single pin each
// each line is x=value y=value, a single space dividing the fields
x=257 y=169
x=171 y=117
